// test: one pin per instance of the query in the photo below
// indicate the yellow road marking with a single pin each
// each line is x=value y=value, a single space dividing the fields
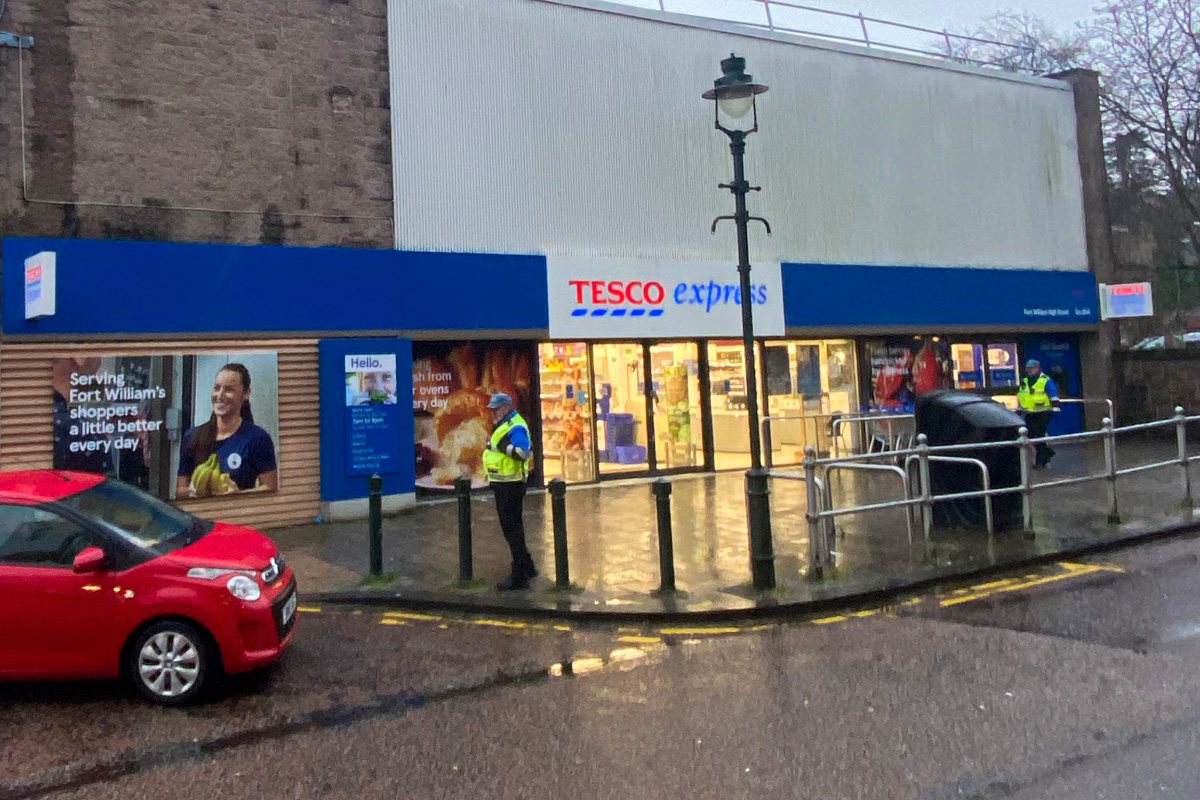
x=696 y=631
x=640 y=639
x=1012 y=585
x=410 y=615
x=870 y=613
x=1093 y=567
x=499 y=623
x=829 y=620
x=390 y=621
x=309 y=609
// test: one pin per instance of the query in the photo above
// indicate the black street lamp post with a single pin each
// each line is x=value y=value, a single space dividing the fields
x=734 y=96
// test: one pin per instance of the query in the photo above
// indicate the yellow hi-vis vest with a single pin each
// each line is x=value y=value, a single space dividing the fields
x=500 y=466
x=1032 y=396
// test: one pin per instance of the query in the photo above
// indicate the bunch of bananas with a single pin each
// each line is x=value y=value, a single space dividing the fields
x=208 y=479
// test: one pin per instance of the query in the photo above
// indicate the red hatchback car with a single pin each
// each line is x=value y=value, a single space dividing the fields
x=99 y=579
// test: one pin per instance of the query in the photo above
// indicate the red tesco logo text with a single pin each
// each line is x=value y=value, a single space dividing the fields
x=602 y=293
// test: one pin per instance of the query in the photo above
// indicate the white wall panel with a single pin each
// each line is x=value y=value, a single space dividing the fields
x=527 y=126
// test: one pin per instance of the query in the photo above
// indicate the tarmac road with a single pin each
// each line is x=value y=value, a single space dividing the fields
x=1073 y=681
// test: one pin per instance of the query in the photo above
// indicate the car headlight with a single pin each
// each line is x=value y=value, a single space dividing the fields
x=211 y=573
x=243 y=588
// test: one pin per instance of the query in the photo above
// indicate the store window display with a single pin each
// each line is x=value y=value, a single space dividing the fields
x=678 y=433
x=621 y=429
x=566 y=412
x=807 y=383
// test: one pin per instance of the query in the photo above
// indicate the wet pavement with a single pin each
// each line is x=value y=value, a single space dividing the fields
x=1078 y=680
x=613 y=545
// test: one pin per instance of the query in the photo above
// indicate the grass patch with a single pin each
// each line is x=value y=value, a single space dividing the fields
x=379 y=580
x=475 y=585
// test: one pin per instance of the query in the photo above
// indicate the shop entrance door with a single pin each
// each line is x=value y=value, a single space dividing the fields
x=623 y=435
x=678 y=407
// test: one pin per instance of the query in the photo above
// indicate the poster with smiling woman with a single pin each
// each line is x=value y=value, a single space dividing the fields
x=231 y=446
x=178 y=426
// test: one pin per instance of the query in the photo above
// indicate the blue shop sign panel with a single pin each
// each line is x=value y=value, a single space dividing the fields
x=825 y=295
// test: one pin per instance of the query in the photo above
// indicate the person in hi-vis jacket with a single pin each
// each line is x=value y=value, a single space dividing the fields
x=506 y=460
x=1038 y=398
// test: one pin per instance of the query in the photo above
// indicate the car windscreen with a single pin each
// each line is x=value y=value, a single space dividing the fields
x=136 y=516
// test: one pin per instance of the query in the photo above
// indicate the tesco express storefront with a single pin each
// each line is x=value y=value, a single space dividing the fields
x=623 y=368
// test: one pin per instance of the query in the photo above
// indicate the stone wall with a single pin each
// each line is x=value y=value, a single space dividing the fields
x=243 y=121
x=1152 y=383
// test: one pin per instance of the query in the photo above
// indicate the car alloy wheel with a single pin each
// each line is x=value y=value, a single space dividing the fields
x=170 y=662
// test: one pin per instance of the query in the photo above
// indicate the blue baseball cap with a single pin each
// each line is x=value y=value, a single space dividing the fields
x=499 y=400
x=1033 y=362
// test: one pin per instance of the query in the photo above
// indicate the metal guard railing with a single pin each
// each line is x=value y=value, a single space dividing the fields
x=821 y=512
x=940 y=43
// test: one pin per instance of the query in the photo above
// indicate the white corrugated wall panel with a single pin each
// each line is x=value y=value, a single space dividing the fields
x=525 y=126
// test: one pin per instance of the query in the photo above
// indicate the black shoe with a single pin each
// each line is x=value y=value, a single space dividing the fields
x=513 y=583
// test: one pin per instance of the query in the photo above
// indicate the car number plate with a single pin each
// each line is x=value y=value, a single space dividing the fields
x=289 y=609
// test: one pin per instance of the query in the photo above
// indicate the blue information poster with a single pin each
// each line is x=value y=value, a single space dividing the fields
x=372 y=414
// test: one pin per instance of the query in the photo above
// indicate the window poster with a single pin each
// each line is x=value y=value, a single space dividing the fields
x=179 y=426
x=452 y=383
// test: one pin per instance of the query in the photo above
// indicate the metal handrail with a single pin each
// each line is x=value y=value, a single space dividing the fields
x=926 y=520
x=858 y=419
x=828 y=511
x=820 y=550
x=1086 y=401
x=946 y=40
x=923 y=454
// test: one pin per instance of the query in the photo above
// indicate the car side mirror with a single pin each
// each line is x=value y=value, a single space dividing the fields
x=90 y=559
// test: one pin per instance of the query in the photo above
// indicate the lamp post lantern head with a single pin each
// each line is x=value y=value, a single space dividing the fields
x=734 y=94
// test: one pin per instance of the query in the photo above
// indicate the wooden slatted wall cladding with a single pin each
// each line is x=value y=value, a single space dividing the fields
x=26 y=427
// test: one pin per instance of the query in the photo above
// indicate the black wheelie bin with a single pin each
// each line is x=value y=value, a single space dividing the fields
x=952 y=417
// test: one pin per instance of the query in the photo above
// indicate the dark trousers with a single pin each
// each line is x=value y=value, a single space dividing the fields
x=1038 y=422
x=510 y=502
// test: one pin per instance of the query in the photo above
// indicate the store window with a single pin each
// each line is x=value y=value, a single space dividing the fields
x=904 y=367
x=621 y=428
x=806 y=383
x=678 y=433
x=1003 y=369
x=566 y=403
x=452 y=382
x=730 y=416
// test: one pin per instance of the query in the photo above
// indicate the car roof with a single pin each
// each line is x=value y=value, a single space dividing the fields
x=43 y=485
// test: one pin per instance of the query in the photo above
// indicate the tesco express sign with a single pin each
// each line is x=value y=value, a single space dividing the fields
x=621 y=299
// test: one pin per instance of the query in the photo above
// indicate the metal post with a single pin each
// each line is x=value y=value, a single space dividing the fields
x=1181 y=439
x=817 y=541
x=666 y=546
x=375 y=523
x=558 y=510
x=926 y=486
x=1025 y=453
x=1110 y=464
x=758 y=489
x=466 y=563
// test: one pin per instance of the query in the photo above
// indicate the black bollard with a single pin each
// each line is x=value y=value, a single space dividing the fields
x=666 y=546
x=558 y=510
x=466 y=568
x=375 y=522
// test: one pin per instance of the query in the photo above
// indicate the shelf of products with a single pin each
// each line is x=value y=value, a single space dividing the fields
x=566 y=420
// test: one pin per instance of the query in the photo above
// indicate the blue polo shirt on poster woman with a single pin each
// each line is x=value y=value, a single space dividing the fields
x=245 y=455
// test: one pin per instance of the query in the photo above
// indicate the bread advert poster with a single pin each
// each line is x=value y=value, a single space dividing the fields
x=451 y=387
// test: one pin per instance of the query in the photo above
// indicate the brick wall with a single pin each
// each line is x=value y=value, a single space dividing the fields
x=1152 y=383
x=239 y=121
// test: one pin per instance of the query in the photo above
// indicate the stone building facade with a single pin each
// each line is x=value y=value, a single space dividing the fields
x=216 y=120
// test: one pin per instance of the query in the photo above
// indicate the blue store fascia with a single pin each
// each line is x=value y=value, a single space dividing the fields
x=121 y=290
